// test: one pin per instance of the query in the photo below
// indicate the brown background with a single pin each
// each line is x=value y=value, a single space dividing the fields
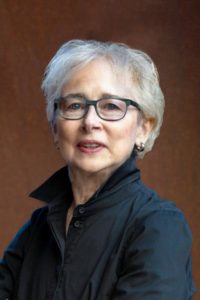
x=30 y=33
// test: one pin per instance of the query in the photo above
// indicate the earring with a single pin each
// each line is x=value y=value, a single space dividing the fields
x=140 y=148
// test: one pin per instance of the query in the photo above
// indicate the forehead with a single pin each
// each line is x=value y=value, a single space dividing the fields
x=100 y=76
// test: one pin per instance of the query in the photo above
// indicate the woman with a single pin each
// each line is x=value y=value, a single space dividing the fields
x=102 y=234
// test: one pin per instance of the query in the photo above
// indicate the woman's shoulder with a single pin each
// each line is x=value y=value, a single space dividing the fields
x=39 y=215
x=149 y=205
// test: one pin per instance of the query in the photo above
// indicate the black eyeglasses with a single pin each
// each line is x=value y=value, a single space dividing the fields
x=109 y=108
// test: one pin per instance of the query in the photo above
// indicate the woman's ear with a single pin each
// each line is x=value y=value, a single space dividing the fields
x=145 y=127
x=54 y=131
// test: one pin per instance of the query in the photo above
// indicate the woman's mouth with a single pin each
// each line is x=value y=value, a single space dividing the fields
x=90 y=146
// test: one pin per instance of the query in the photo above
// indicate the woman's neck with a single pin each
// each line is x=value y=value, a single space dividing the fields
x=84 y=185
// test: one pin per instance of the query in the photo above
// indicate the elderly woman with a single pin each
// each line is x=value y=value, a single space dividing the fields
x=103 y=234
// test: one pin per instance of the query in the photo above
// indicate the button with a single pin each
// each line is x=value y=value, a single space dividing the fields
x=81 y=210
x=78 y=224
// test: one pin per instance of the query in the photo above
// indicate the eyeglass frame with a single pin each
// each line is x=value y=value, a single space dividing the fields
x=90 y=102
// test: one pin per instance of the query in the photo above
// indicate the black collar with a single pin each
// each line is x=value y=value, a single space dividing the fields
x=59 y=185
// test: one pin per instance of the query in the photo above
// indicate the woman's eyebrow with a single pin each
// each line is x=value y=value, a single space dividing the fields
x=106 y=95
x=79 y=95
x=82 y=95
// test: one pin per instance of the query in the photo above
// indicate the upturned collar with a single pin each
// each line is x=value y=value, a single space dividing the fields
x=59 y=185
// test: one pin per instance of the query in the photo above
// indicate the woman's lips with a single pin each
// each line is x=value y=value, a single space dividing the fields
x=90 y=146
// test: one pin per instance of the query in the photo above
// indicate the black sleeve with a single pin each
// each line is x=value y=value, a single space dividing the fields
x=157 y=262
x=11 y=262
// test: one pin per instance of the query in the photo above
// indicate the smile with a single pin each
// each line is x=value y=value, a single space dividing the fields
x=90 y=146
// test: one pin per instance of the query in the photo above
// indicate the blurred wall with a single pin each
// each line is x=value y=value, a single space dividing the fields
x=30 y=33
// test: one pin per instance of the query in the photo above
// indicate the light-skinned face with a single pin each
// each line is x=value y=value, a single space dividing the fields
x=92 y=145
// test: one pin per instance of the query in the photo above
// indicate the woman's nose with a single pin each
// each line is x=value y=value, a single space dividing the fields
x=91 y=120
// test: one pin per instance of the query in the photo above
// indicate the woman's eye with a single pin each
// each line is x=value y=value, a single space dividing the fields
x=111 y=106
x=74 y=106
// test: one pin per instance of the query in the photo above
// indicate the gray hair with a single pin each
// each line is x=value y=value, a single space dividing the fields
x=78 y=53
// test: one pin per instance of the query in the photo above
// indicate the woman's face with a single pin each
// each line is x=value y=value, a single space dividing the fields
x=92 y=145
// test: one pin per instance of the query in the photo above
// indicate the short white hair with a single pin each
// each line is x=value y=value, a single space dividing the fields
x=78 y=53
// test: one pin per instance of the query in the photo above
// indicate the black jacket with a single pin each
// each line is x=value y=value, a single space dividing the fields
x=125 y=243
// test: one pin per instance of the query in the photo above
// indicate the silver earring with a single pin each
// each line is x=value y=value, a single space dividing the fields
x=140 y=147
